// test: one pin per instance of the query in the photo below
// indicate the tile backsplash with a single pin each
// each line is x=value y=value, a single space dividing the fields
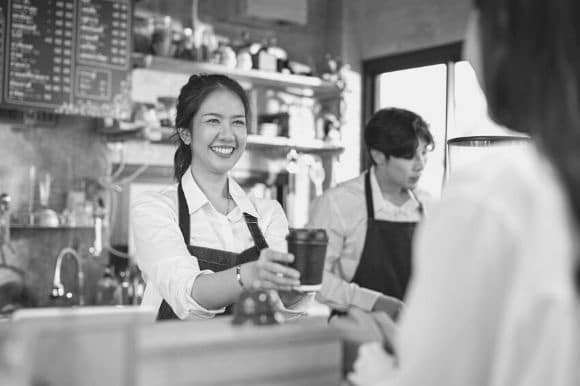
x=70 y=150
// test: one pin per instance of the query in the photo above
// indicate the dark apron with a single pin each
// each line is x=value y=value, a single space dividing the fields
x=385 y=263
x=214 y=259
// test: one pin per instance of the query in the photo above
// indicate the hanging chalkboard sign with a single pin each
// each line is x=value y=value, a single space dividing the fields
x=67 y=56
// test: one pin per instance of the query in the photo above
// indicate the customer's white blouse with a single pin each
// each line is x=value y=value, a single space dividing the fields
x=161 y=253
x=492 y=300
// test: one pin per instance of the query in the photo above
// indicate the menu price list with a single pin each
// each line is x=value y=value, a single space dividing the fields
x=2 y=40
x=39 y=52
x=104 y=33
x=46 y=40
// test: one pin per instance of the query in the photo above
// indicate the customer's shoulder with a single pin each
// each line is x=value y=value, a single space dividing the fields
x=506 y=177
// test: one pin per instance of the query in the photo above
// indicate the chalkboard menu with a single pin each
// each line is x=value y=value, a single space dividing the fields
x=67 y=56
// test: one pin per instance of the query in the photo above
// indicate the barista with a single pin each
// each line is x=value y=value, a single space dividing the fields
x=370 y=220
x=202 y=241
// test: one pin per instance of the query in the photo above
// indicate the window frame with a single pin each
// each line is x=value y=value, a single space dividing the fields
x=447 y=54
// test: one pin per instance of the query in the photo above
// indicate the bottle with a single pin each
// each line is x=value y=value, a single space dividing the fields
x=262 y=59
x=162 y=40
x=106 y=287
x=138 y=286
x=243 y=55
x=186 y=48
x=279 y=53
x=122 y=292
x=227 y=55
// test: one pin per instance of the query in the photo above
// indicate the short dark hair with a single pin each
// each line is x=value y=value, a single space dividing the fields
x=396 y=132
x=192 y=95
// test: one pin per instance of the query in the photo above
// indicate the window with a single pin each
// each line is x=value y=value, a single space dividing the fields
x=422 y=90
x=436 y=84
x=469 y=106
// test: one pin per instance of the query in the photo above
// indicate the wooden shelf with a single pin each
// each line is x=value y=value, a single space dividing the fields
x=254 y=143
x=313 y=146
x=284 y=145
x=153 y=68
x=19 y=227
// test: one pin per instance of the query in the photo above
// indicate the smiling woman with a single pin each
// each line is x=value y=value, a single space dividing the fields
x=219 y=138
x=200 y=242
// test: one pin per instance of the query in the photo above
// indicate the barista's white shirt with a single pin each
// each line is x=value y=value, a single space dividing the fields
x=162 y=255
x=492 y=300
x=342 y=212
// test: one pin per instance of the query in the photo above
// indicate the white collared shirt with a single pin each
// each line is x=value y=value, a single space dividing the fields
x=162 y=255
x=342 y=212
x=492 y=300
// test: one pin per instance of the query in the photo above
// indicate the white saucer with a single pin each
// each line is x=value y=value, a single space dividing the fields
x=308 y=288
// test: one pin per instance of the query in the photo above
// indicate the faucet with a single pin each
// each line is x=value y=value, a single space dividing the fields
x=57 y=286
x=4 y=203
x=4 y=219
x=98 y=216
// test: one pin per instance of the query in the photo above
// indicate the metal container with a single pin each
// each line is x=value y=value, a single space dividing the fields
x=466 y=150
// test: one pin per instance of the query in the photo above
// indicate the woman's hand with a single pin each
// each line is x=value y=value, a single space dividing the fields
x=270 y=271
x=373 y=366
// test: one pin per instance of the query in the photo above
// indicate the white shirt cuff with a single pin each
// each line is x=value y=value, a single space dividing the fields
x=194 y=310
x=365 y=298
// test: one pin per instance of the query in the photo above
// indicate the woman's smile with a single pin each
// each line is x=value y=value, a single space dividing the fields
x=223 y=151
x=219 y=132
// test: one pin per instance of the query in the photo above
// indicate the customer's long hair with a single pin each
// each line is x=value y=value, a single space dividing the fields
x=192 y=95
x=531 y=77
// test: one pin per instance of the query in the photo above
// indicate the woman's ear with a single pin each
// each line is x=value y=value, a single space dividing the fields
x=185 y=135
x=378 y=156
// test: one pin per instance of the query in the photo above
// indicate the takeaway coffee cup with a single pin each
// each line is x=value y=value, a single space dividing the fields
x=309 y=249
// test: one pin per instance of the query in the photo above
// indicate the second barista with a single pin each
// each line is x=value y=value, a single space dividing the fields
x=371 y=219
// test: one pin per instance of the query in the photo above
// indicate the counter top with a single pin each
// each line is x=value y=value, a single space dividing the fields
x=220 y=331
x=125 y=349
x=305 y=352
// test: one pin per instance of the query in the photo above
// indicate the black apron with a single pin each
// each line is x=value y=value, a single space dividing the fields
x=385 y=263
x=214 y=259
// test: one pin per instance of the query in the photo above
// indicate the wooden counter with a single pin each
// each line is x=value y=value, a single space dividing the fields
x=214 y=352
x=129 y=351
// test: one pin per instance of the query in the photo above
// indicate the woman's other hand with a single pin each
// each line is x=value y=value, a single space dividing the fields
x=271 y=271
x=373 y=366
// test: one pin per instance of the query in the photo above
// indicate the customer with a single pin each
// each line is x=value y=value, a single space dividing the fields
x=496 y=295
x=370 y=220
x=202 y=241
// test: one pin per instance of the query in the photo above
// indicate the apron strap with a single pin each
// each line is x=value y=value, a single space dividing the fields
x=369 y=196
x=183 y=210
x=255 y=231
x=251 y=222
